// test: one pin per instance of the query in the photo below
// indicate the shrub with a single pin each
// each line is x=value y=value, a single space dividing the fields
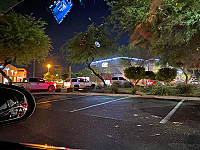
x=58 y=90
x=134 y=90
x=86 y=89
x=99 y=86
x=135 y=73
x=112 y=90
x=150 y=75
x=159 y=90
x=58 y=86
x=179 y=90
x=70 y=89
x=127 y=84
x=117 y=84
x=166 y=74
x=185 y=89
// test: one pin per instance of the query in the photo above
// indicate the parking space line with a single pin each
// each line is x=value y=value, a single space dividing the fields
x=171 y=112
x=98 y=104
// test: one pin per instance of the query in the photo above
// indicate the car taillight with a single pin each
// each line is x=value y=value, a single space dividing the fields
x=70 y=84
x=24 y=105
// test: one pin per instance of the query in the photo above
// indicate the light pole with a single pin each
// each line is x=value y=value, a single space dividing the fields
x=48 y=66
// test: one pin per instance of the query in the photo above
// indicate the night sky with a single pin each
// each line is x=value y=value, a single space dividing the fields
x=76 y=21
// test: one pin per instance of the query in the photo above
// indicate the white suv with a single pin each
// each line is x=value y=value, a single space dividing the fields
x=119 y=79
x=78 y=82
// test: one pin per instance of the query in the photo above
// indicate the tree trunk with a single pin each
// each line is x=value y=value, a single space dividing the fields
x=137 y=82
x=186 y=80
x=5 y=76
x=100 y=77
x=191 y=75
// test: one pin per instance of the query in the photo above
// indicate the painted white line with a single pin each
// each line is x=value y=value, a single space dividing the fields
x=171 y=112
x=98 y=104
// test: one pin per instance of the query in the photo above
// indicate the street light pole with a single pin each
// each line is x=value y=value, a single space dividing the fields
x=48 y=66
x=34 y=67
x=70 y=72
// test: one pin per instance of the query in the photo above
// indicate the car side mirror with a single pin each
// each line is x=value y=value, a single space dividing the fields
x=16 y=104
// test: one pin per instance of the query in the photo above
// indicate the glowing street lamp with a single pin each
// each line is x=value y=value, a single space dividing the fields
x=48 y=66
x=12 y=72
x=7 y=69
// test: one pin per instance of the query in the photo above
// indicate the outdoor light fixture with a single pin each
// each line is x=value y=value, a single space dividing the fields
x=7 y=69
x=12 y=72
x=48 y=66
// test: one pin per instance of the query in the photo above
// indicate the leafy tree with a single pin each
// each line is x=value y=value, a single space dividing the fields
x=150 y=75
x=56 y=70
x=88 y=73
x=82 y=48
x=172 y=27
x=49 y=77
x=125 y=62
x=6 y=5
x=139 y=53
x=171 y=19
x=85 y=72
x=135 y=73
x=22 y=39
x=135 y=52
x=166 y=74
x=64 y=74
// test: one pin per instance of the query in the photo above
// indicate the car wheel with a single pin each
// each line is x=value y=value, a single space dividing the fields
x=51 y=89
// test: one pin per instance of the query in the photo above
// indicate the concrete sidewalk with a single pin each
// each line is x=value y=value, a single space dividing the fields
x=122 y=95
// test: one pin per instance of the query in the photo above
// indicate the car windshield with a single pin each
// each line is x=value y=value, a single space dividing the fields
x=74 y=80
x=105 y=74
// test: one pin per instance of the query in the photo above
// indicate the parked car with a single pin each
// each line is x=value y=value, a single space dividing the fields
x=194 y=82
x=118 y=78
x=33 y=84
x=78 y=82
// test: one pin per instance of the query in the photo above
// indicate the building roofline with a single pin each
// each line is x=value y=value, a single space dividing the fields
x=116 y=58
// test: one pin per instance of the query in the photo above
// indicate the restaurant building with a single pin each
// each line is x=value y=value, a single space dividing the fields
x=15 y=74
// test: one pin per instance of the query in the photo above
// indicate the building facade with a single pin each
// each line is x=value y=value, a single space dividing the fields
x=15 y=74
x=115 y=66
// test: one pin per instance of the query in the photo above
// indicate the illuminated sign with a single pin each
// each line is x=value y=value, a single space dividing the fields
x=60 y=9
x=105 y=64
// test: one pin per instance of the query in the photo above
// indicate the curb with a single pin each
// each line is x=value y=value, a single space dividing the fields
x=124 y=95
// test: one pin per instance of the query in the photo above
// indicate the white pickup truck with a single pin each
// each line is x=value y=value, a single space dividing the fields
x=33 y=84
x=78 y=82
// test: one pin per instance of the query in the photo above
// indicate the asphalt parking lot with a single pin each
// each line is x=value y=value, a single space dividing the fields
x=105 y=122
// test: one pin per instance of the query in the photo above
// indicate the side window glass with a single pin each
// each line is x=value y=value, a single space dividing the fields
x=115 y=78
x=74 y=80
x=33 y=80
x=41 y=81
x=81 y=80
x=121 y=78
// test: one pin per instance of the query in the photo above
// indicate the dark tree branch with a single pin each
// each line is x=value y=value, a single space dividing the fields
x=99 y=76
x=186 y=80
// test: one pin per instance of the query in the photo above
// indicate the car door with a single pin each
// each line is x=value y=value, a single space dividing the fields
x=87 y=82
x=32 y=84
x=42 y=85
